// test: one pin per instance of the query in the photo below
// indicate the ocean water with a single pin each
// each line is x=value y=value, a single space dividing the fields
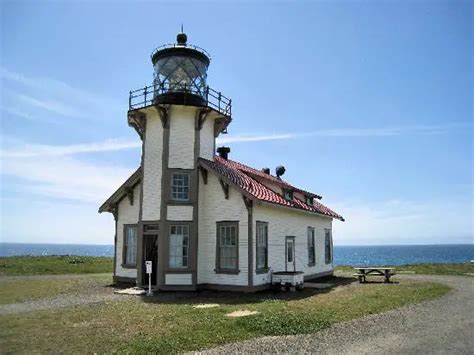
x=402 y=254
x=14 y=249
x=343 y=255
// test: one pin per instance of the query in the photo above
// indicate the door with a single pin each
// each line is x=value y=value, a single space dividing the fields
x=150 y=254
x=290 y=254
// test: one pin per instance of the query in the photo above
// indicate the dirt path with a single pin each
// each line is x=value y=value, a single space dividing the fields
x=441 y=326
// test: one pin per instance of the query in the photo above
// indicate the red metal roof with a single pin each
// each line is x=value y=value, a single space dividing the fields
x=246 y=177
x=258 y=175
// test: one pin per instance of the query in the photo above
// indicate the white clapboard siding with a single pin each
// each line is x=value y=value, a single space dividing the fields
x=127 y=214
x=152 y=168
x=213 y=207
x=181 y=147
x=284 y=222
x=179 y=213
x=206 y=149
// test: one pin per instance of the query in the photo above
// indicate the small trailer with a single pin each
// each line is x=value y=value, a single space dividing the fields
x=288 y=279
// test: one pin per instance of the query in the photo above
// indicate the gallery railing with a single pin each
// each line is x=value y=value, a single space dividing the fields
x=149 y=95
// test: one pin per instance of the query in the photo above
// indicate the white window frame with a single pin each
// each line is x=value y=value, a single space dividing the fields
x=227 y=242
x=178 y=257
x=311 y=247
x=180 y=192
x=130 y=239
x=328 y=252
x=261 y=242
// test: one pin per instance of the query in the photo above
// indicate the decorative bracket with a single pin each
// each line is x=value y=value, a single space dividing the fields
x=137 y=120
x=129 y=193
x=114 y=210
x=220 y=124
x=203 y=175
x=225 y=188
x=201 y=116
x=163 y=111
x=248 y=203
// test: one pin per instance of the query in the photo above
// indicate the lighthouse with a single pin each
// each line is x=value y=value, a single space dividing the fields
x=178 y=118
x=205 y=221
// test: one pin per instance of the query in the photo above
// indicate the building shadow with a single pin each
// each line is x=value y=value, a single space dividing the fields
x=235 y=298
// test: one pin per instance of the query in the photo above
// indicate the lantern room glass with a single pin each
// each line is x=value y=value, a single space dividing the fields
x=177 y=73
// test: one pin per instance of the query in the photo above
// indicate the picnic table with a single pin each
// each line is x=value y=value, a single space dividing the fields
x=363 y=272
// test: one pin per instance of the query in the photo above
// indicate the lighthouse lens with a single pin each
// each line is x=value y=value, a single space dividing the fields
x=181 y=73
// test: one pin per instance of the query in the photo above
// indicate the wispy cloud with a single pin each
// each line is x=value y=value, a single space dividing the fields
x=41 y=150
x=346 y=132
x=34 y=150
x=65 y=177
x=50 y=105
x=53 y=85
x=61 y=171
x=53 y=96
x=19 y=113
x=256 y=138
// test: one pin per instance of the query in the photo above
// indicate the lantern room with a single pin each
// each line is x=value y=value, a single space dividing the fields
x=180 y=73
x=180 y=78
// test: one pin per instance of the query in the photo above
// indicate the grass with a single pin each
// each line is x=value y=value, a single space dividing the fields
x=169 y=323
x=14 y=291
x=54 y=265
x=427 y=269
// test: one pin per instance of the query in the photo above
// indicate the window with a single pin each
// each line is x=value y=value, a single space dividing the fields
x=130 y=245
x=311 y=248
x=309 y=200
x=289 y=252
x=180 y=187
x=327 y=243
x=179 y=246
x=227 y=256
x=262 y=246
x=288 y=194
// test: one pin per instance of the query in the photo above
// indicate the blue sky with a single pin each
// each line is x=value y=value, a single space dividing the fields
x=368 y=103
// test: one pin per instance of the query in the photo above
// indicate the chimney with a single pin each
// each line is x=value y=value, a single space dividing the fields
x=266 y=171
x=223 y=152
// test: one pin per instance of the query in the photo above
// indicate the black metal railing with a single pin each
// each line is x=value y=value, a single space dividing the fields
x=150 y=95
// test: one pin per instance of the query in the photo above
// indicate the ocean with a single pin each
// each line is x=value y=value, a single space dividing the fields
x=343 y=255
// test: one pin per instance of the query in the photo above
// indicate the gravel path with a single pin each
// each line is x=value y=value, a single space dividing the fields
x=92 y=290
x=441 y=326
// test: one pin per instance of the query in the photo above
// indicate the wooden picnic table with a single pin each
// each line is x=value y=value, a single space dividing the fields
x=363 y=272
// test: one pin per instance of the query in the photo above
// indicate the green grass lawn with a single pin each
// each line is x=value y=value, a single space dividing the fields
x=169 y=323
x=54 y=265
x=14 y=290
x=427 y=269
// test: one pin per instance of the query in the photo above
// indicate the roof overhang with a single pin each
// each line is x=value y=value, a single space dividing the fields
x=111 y=203
x=204 y=164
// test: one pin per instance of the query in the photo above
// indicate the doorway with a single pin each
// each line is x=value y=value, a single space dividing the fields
x=150 y=253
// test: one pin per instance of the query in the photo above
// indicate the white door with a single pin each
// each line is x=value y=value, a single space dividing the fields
x=290 y=254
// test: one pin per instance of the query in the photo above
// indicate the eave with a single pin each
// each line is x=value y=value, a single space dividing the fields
x=110 y=204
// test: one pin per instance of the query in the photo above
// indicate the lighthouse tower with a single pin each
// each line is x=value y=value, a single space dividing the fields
x=178 y=118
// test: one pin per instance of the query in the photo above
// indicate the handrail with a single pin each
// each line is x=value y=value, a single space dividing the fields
x=147 y=95
x=175 y=45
